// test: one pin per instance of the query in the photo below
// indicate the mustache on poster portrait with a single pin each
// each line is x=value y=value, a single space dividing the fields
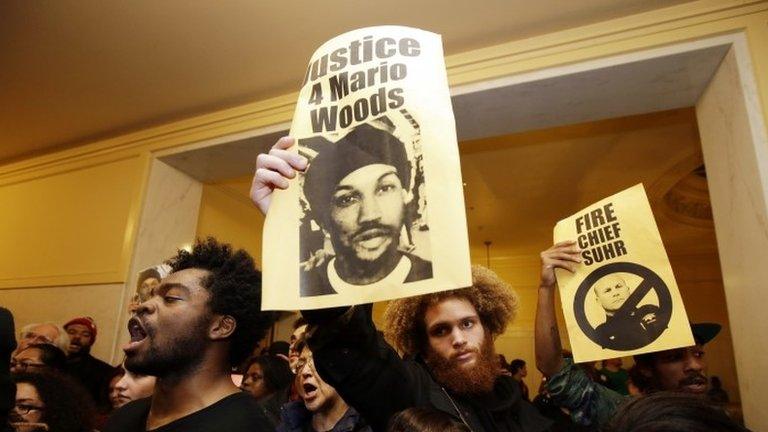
x=375 y=228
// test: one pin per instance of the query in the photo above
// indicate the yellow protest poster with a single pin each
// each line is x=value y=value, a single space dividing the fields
x=622 y=299
x=379 y=212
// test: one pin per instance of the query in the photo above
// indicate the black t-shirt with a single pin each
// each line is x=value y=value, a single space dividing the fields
x=237 y=412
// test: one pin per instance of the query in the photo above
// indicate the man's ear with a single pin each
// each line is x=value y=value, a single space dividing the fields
x=222 y=327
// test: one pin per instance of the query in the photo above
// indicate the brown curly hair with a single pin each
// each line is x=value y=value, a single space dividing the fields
x=495 y=301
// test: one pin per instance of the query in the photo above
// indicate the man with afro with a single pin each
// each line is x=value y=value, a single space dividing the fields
x=202 y=320
x=446 y=339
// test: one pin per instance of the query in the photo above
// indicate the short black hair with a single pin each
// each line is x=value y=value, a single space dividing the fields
x=278 y=347
x=277 y=373
x=51 y=356
x=68 y=406
x=515 y=365
x=234 y=284
x=671 y=412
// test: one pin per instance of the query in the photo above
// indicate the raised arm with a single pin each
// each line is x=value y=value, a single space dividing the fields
x=273 y=170
x=549 y=358
x=353 y=357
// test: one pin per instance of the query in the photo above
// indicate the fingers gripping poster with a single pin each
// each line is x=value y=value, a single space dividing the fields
x=379 y=212
x=622 y=299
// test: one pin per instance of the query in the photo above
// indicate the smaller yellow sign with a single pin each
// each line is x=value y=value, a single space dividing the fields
x=622 y=299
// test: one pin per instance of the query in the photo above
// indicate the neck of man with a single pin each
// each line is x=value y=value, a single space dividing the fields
x=325 y=418
x=358 y=272
x=179 y=395
x=612 y=367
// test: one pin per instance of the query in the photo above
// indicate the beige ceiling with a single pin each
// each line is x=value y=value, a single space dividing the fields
x=75 y=71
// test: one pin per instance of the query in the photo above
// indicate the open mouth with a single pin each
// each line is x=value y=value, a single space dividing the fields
x=136 y=330
x=138 y=334
x=310 y=390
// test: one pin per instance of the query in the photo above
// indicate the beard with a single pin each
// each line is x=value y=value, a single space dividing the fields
x=178 y=356
x=478 y=379
x=82 y=352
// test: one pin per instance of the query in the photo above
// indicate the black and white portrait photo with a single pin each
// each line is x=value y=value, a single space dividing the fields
x=627 y=325
x=364 y=209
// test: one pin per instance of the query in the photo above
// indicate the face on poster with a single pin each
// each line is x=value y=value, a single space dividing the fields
x=379 y=212
x=623 y=299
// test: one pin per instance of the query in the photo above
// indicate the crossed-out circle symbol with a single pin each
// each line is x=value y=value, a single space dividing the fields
x=650 y=281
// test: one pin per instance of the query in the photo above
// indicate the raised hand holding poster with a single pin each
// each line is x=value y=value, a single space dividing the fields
x=379 y=212
x=622 y=299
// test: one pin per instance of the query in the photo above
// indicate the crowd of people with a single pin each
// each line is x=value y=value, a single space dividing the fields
x=193 y=362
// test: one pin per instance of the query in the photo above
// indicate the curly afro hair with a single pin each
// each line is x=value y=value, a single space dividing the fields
x=495 y=301
x=68 y=406
x=235 y=287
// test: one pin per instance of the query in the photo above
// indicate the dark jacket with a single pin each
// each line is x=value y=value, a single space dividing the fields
x=7 y=387
x=295 y=417
x=315 y=282
x=272 y=405
x=351 y=356
x=95 y=376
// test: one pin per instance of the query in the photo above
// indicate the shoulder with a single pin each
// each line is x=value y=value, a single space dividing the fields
x=314 y=282
x=130 y=417
x=241 y=410
x=99 y=365
x=293 y=415
x=420 y=268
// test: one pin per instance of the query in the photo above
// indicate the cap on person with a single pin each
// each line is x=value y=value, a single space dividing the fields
x=85 y=321
x=364 y=145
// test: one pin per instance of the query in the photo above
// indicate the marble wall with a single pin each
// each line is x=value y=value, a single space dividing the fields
x=735 y=149
x=168 y=222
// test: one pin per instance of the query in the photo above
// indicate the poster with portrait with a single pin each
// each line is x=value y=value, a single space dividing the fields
x=379 y=212
x=147 y=280
x=623 y=299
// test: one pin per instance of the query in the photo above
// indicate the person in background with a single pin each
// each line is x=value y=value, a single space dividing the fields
x=671 y=412
x=424 y=419
x=93 y=373
x=53 y=400
x=716 y=393
x=320 y=407
x=127 y=386
x=519 y=371
x=613 y=376
x=299 y=327
x=37 y=357
x=589 y=403
x=47 y=332
x=266 y=375
x=269 y=380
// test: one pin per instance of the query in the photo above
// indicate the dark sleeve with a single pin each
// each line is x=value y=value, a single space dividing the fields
x=7 y=334
x=351 y=356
